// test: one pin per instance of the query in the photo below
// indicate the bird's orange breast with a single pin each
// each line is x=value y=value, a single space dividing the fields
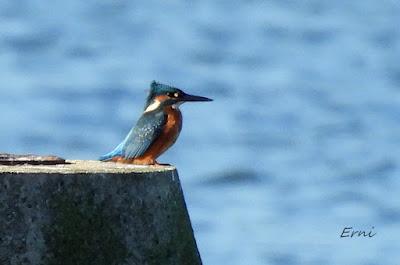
x=168 y=136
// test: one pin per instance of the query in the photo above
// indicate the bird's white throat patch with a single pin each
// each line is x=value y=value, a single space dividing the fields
x=176 y=105
x=153 y=106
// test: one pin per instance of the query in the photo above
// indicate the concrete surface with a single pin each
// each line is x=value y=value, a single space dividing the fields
x=94 y=213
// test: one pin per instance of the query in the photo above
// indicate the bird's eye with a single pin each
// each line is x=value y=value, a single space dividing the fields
x=173 y=95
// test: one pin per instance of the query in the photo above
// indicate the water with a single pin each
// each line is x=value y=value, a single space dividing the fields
x=301 y=141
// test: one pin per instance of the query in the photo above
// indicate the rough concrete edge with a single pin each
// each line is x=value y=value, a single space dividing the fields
x=84 y=167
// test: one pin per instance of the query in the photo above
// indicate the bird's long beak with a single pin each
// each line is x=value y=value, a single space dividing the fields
x=193 y=98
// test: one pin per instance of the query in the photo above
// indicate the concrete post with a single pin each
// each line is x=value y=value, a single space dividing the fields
x=94 y=213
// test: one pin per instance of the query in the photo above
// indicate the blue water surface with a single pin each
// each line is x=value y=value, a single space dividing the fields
x=302 y=139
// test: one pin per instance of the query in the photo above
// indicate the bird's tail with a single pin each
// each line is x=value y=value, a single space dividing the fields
x=106 y=157
x=116 y=152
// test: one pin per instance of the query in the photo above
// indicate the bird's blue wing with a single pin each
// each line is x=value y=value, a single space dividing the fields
x=146 y=131
x=139 y=139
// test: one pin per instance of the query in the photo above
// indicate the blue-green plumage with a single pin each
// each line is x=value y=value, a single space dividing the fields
x=157 y=89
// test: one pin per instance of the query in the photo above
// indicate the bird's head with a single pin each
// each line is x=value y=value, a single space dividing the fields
x=161 y=95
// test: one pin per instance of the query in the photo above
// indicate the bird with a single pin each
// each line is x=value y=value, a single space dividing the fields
x=156 y=130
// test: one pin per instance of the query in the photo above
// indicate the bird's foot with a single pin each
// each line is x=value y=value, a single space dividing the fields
x=161 y=165
x=139 y=161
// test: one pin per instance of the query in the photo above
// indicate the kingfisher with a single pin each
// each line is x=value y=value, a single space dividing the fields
x=156 y=130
